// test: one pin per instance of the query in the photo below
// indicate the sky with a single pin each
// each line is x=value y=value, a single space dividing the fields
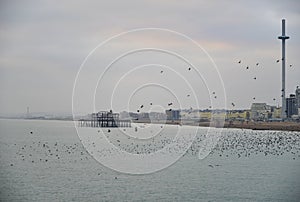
x=44 y=45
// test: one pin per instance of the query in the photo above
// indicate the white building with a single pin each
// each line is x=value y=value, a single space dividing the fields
x=260 y=111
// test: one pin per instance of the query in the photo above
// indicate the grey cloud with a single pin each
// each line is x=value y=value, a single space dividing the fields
x=47 y=41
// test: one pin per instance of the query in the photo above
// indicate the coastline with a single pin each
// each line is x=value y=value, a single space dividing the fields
x=278 y=126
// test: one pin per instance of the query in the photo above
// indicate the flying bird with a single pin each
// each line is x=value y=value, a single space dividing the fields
x=247 y=67
x=277 y=61
x=189 y=69
x=257 y=64
x=169 y=104
x=239 y=61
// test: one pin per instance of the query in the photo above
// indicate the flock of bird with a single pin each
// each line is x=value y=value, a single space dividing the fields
x=257 y=64
x=255 y=78
x=238 y=143
x=46 y=151
x=168 y=104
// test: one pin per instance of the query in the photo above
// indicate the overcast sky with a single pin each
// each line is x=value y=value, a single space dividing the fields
x=43 y=44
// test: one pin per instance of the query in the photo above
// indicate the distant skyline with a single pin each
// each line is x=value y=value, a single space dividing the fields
x=44 y=43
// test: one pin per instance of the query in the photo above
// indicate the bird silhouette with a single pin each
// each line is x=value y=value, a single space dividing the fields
x=239 y=61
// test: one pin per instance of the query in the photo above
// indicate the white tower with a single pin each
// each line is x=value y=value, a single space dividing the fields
x=283 y=38
x=27 y=113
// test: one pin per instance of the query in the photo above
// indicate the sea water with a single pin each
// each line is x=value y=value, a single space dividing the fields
x=46 y=161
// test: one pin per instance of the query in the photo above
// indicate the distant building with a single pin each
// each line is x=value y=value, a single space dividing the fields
x=276 y=112
x=157 y=116
x=189 y=114
x=133 y=116
x=297 y=93
x=143 y=116
x=27 y=113
x=291 y=106
x=260 y=111
x=124 y=115
x=237 y=114
x=173 y=115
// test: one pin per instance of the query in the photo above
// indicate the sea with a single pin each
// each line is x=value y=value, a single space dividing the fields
x=43 y=160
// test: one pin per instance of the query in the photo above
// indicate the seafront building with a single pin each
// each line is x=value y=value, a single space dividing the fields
x=291 y=106
x=297 y=94
x=156 y=116
x=260 y=111
x=238 y=115
x=264 y=112
x=173 y=115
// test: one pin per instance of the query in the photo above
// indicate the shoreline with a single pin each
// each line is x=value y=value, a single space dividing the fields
x=276 y=126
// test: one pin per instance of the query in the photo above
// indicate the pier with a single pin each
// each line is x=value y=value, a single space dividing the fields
x=104 y=119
